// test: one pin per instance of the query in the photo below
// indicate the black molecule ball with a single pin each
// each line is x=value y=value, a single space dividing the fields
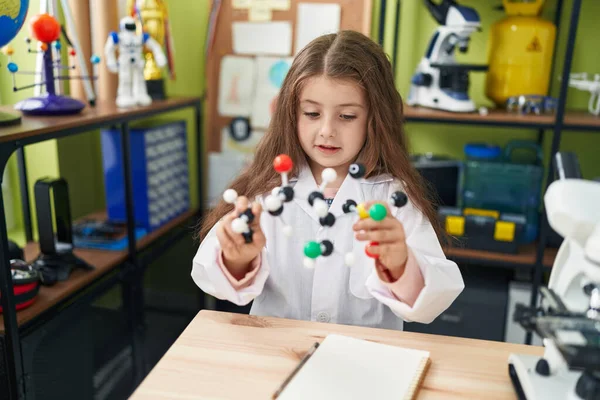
x=399 y=199
x=249 y=215
x=328 y=248
x=347 y=207
x=357 y=171
x=248 y=236
x=313 y=196
x=328 y=220
x=277 y=212
x=288 y=192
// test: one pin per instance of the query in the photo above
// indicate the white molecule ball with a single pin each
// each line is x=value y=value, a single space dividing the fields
x=230 y=196
x=309 y=263
x=275 y=191
x=349 y=259
x=272 y=203
x=321 y=208
x=328 y=175
x=239 y=225
x=287 y=231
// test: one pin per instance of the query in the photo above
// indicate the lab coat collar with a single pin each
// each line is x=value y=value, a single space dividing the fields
x=351 y=188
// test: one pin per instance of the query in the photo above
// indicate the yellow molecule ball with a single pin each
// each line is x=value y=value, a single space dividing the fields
x=362 y=212
x=8 y=50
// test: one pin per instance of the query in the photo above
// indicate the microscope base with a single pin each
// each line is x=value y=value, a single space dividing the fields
x=529 y=385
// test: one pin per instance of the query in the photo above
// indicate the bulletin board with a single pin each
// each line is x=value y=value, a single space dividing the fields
x=353 y=15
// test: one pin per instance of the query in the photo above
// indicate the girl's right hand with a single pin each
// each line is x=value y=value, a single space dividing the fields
x=237 y=254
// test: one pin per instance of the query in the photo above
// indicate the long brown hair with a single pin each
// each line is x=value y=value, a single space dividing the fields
x=347 y=55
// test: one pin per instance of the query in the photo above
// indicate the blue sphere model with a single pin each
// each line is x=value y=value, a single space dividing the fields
x=12 y=18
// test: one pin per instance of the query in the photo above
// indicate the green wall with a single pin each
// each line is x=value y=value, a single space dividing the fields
x=71 y=156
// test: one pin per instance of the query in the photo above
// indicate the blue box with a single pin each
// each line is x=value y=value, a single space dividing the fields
x=160 y=174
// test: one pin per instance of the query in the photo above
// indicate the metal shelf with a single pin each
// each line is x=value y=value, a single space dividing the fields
x=495 y=117
x=84 y=284
x=581 y=121
x=103 y=261
x=525 y=258
x=573 y=120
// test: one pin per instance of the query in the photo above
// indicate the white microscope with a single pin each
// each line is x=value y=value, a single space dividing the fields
x=569 y=317
x=132 y=89
x=440 y=81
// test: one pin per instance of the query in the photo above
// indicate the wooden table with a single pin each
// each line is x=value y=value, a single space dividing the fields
x=221 y=355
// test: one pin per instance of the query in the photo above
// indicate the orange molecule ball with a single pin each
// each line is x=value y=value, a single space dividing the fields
x=45 y=28
x=43 y=46
x=283 y=163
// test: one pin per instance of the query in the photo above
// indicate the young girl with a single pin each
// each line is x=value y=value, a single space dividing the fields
x=338 y=105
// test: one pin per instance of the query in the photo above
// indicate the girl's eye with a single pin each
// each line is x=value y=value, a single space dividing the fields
x=348 y=117
x=311 y=114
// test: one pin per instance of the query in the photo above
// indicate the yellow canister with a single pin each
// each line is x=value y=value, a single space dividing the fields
x=520 y=52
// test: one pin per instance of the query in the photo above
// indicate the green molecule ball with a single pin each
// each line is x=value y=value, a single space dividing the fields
x=312 y=250
x=377 y=212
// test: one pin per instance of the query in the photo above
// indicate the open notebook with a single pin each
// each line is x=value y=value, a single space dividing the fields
x=342 y=367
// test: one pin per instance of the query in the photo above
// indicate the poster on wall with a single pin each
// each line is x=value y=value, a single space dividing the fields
x=314 y=20
x=270 y=73
x=236 y=86
x=262 y=38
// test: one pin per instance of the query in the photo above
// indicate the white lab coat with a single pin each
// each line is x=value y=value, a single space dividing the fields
x=333 y=292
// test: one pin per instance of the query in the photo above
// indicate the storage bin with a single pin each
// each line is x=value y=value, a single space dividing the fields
x=160 y=175
x=484 y=229
x=507 y=186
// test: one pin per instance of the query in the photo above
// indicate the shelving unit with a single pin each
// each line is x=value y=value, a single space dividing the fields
x=494 y=118
x=110 y=267
x=573 y=120
x=103 y=261
x=537 y=257
x=526 y=258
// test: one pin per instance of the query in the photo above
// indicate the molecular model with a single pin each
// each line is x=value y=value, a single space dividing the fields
x=317 y=201
x=274 y=204
x=377 y=212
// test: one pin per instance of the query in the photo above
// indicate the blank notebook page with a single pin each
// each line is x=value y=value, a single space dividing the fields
x=347 y=368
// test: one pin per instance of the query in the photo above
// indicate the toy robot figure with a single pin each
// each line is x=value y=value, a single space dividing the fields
x=130 y=64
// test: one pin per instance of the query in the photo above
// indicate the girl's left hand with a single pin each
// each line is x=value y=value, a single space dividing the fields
x=391 y=246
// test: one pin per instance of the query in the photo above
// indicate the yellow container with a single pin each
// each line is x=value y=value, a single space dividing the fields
x=521 y=51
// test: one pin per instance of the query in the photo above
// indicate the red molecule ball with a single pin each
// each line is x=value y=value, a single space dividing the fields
x=72 y=52
x=283 y=163
x=45 y=28
x=368 y=252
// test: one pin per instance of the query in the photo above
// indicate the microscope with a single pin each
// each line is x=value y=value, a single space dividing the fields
x=440 y=81
x=568 y=318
